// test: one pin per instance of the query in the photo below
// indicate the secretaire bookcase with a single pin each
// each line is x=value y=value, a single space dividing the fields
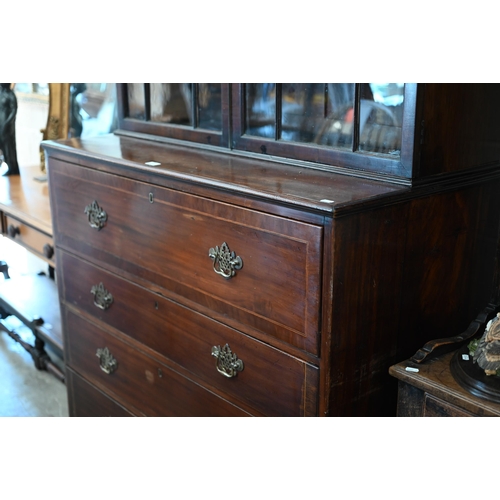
x=271 y=249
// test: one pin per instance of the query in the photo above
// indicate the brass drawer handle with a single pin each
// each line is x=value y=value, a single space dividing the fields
x=107 y=362
x=225 y=261
x=227 y=363
x=102 y=298
x=96 y=216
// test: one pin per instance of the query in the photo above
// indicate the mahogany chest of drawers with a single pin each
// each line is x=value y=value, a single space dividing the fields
x=198 y=284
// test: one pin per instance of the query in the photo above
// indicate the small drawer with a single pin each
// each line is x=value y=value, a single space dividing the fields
x=272 y=382
x=133 y=379
x=249 y=268
x=34 y=240
x=434 y=407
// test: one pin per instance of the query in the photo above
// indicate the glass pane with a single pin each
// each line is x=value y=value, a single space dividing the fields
x=209 y=106
x=319 y=113
x=93 y=109
x=136 y=101
x=380 y=117
x=171 y=103
x=260 y=100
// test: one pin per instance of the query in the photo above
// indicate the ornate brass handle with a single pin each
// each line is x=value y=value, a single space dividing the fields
x=102 y=298
x=96 y=216
x=225 y=261
x=107 y=362
x=227 y=363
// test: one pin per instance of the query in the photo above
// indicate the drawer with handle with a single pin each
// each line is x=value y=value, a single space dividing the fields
x=250 y=268
x=33 y=239
x=243 y=368
x=134 y=379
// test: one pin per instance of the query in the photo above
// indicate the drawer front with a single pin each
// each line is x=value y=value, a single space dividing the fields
x=87 y=401
x=183 y=242
x=434 y=407
x=272 y=382
x=30 y=238
x=138 y=381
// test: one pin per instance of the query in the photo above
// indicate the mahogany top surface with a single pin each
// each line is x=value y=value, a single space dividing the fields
x=266 y=179
x=27 y=199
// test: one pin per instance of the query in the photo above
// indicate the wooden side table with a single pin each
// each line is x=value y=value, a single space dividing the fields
x=26 y=219
x=433 y=392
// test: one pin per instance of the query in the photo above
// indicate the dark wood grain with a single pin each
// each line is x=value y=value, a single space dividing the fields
x=368 y=259
x=272 y=382
x=449 y=263
x=461 y=127
x=280 y=253
x=139 y=381
x=87 y=401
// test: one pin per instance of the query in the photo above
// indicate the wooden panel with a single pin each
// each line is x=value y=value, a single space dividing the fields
x=139 y=381
x=87 y=401
x=167 y=242
x=368 y=256
x=461 y=127
x=449 y=263
x=32 y=239
x=272 y=382
x=410 y=400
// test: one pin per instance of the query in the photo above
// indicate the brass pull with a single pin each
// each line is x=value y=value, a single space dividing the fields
x=96 y=216
x=225 y=261
x=227 y=363
x=102 y=298
x=107 y=362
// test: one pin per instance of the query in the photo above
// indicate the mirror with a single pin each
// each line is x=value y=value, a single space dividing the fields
x=51 y=111
x=79 y=110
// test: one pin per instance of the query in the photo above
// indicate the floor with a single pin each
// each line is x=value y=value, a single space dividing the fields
x=24 y=390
